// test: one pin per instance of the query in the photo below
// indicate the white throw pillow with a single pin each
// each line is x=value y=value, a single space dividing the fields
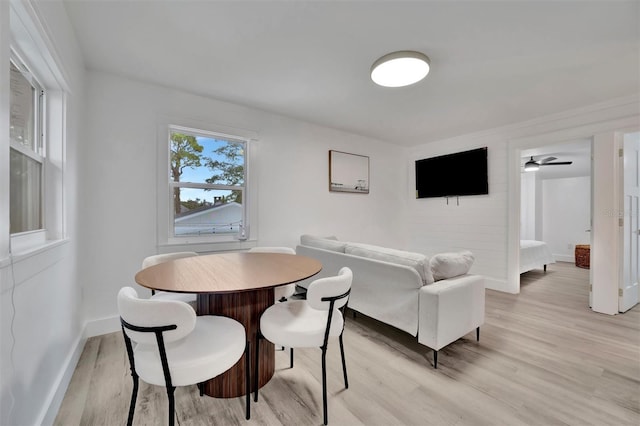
x=449 y=265
x=325 y=243
x=418 y=261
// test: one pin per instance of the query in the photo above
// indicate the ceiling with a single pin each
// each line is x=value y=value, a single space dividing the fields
x=492 y=63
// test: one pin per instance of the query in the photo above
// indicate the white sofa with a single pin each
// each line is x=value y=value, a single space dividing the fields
x=398 y=288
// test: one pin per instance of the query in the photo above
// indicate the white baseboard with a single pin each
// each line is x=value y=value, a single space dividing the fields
x=91 y=328
x=101 y=326
x=54 y=400
x=496 y=284
x=564 y=258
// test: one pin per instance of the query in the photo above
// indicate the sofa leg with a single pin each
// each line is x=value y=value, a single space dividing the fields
x=435 y=359
x=478 y=334
x=290 y=357
x=545 y=268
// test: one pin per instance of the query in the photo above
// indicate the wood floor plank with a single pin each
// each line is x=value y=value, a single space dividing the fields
x=544 y=358
x=71 y=411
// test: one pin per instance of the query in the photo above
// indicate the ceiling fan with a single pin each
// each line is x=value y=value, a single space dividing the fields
x=533 y=165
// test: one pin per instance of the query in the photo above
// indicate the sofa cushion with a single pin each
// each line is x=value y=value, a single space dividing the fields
x=449 y=265
x=326 y=243
x=418 y=261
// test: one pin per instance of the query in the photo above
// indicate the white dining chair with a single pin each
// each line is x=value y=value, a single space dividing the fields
x=282 y=292
x=168 y=345
x=309 y=323
x=166 y=295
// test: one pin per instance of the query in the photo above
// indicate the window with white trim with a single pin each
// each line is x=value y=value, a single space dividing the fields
x=207 y=177
x=33 y=165
x=27 y=150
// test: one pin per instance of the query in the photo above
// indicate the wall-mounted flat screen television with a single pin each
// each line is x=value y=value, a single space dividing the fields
x=452 y=175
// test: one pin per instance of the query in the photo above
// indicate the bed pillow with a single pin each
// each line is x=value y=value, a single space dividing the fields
x=418 y=261
x=325 y=243
x=449 y=265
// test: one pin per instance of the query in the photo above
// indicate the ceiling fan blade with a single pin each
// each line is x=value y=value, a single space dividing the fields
x=548 y=159
x=559 y=163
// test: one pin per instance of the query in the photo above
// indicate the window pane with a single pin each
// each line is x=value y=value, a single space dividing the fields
x=22 y=116
x=200 y=159
x=24 y=196
x=204 y=212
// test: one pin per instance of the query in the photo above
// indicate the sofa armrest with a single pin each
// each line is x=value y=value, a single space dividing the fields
x=449 y=309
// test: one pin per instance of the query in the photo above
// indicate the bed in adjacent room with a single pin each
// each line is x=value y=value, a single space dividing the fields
x=534 y=255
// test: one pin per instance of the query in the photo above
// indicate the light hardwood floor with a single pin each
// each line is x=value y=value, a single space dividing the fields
x=544 y=358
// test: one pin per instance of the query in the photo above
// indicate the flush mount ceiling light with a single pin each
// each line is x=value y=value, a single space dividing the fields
x=399 y=69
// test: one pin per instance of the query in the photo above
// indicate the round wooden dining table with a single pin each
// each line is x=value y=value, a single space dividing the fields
x=237 y=285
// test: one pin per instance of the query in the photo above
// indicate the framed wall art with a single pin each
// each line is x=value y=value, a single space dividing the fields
x=348 y=172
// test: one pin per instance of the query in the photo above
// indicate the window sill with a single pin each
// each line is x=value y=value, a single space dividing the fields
x=209 y=246
x=27 y=252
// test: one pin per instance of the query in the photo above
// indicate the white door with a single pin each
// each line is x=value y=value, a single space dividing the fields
x=631 y=226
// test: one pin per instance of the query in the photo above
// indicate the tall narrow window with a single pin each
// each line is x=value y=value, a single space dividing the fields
x=207 y=174
x=27 y=150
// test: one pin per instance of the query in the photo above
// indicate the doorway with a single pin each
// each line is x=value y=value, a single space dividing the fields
x=555 y=205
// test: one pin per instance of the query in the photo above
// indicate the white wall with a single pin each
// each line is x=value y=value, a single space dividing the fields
x=476 y=224
x=606 y=243
x=528 y=206
x=566 y=215
x=40 y=299
x=556 y=211
x=481 y=223
x=118 y=189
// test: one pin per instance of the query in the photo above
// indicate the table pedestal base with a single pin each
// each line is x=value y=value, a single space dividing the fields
x=246 y=308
